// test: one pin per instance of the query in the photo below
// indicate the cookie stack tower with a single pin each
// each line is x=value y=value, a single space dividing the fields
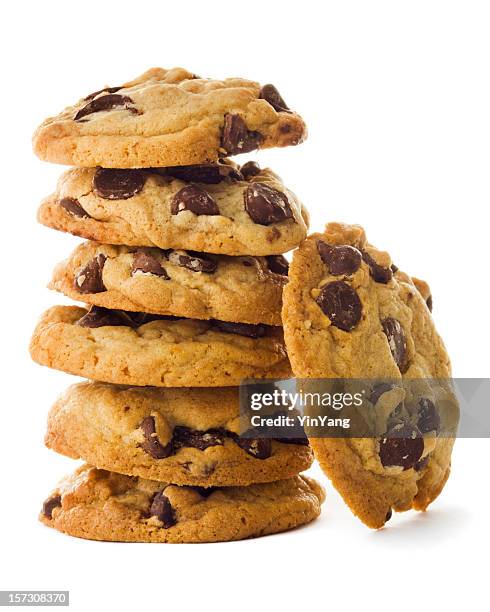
x=182 y=274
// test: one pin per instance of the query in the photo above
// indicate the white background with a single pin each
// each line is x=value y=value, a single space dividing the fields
x=397 y=98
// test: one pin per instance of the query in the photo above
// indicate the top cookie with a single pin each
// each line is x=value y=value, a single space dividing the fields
x=168 y=118
x=349 y=313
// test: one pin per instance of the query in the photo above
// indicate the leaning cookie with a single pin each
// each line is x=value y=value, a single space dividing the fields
x=168 y=118
x=215 y=208
x=99 y=505
x=347 y=315
x=140 y=349
x=180 y=283
x=183 y=436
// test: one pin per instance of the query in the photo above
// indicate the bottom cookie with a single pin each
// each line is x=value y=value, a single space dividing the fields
x=99 y=505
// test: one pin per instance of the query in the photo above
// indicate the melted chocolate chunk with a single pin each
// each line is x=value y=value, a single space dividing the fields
x=209 y=174
x=73 y=206
x=195 y=199
x=271 y=95
x=241 y=329
x=237 y=138
x=260 y=448
x=278 y=264
x=141 y=318
x=397 y=342
x=401 y=446
x=147 y=264
x=428 y=301
x=197 y=262
x=101 y=317
x=112 y=184
x=105 y=103
x=50 y=504
x=388 y=516
x=184 y=436
x=428 y=416
x=109 y=90
x=340 y=260
x=162 y=509
x=89 y=279
x=152 y=444
x=266 y=205
x=340 y=302
x=379 y=274
x=378 y=390
x=250 y=169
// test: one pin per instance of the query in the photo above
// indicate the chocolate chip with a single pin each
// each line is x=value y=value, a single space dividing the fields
x=266 y=205
x=186 y=437
x=109 y=90
x=209 y=174
x=147 y=264
x=278 y=264
x=401 y=446
x=197 y=262
x=378 y=390
x=341 y=304
x=420 y=465
x=250 y=169
x=162 y=509
x=237 y=138
x=397 y=342
x=428 y=301
x=394 y=268
x=204 y=491
x=195 y=199
x=89 y=279
x=100 y=317
x=50 y=504
x=113 y=184
x=260 y=448
x=340 y=260
x=241 y=329
x=152 y=444
x=301 y=441
x=388 y=516
x=379 y=274
x=270 y=94
x=105 y=103
x=141 y=318
x=428 y=419
x=73 y=206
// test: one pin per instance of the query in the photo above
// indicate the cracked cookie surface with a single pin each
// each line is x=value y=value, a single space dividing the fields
x=350 y=313
x=217 y=208
x=168 y=118
x=183 y=436
x=100 y=505
x=141 y=349
x=175 y=282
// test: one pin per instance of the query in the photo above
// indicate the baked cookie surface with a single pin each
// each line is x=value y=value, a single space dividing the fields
x=217 y=208
x=348 y=313
x=141 y=349
x=180 y=283
x=168 y=118
x=100 y=505
x=183 y=436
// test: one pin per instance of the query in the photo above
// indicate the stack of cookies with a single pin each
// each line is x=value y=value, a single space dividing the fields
x=182 y=274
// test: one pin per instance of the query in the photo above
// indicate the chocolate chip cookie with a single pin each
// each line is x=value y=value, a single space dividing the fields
x=99 y=505
x=349 y=313
x=142 y=349
x=217 y=208
x=181 y=283
x=168 y=118
x=183 y=436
